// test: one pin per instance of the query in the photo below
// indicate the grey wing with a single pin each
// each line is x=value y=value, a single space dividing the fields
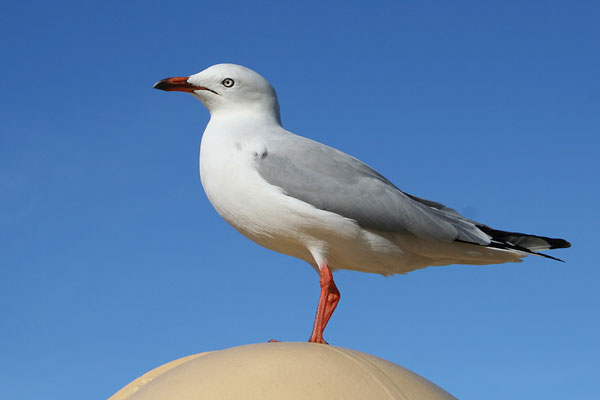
x=333 y=181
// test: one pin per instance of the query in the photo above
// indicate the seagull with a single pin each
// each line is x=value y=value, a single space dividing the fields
x=302 y=198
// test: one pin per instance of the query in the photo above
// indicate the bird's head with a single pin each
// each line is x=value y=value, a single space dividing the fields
x=227 y=88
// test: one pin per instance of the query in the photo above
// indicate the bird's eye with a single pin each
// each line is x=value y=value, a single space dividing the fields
x=227 y=82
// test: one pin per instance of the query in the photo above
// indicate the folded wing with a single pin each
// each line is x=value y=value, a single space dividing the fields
x=333 y=181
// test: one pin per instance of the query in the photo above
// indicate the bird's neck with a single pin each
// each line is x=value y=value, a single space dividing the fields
x=261 y=112
x=239 y=127
x=245 y=118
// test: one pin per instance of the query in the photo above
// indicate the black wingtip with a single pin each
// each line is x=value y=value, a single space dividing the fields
x=547 y=256
x=558 y=243
x=524 y=239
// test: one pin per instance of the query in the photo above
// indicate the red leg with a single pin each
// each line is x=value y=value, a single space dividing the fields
x=333 y=298
x=328 y=300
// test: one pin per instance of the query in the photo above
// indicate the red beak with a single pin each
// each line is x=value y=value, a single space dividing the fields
x=179 y=84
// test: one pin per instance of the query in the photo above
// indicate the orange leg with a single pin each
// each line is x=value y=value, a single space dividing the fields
x=328 y=300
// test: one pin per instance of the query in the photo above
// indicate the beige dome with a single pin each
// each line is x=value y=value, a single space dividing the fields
x=283 y=370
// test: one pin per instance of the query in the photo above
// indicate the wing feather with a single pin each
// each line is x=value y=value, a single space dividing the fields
x=333 y=181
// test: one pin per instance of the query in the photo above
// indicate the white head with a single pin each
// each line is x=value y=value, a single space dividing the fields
x=228 y=88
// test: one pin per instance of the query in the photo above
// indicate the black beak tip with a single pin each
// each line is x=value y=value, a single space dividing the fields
x=161 y=85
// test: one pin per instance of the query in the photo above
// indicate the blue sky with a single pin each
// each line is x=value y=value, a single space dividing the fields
x=113 y=261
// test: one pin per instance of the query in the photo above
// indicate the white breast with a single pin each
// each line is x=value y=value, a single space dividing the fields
x=258 y=210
